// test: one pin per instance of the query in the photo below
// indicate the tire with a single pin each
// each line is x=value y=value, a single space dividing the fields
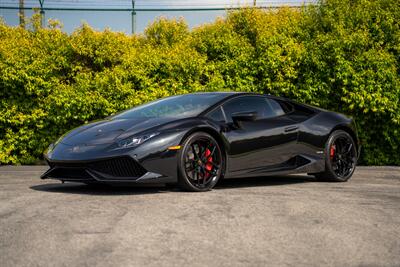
x=341 y=158
x=200 y=163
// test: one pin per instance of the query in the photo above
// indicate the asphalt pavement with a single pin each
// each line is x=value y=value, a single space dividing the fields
x=265 y=221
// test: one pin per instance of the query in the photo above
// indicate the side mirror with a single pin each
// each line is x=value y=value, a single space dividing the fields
x=244 y=116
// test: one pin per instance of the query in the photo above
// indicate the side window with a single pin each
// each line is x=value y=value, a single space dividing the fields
x=276 y=107
x=265 y=108
x=286 y=107
x=217 y=115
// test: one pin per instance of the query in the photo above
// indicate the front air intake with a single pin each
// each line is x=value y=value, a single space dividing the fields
x=112 y=168
x=118 y=167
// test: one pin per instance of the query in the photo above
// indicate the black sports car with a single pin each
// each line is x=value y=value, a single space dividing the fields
x=196 y=139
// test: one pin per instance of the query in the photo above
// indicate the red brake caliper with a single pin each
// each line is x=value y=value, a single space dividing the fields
x=208 y=166
x=332 y=151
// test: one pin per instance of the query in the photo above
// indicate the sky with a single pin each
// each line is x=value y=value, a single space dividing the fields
x=122 y=20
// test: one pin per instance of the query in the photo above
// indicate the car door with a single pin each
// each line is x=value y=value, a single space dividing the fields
x=263 y=145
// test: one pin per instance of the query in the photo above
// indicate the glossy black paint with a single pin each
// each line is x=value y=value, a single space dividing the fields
x=289 y=143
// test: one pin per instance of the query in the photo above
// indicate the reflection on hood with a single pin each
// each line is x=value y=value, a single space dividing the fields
x=108 y=131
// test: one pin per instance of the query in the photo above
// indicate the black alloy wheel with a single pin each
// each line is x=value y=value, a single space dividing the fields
x=201 y=163
x=341 y=157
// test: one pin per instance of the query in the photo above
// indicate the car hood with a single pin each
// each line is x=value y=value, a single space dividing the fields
x=109 y=130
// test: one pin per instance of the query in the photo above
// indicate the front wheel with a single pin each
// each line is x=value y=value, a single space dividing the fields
x=200 y=163
x=341 y=158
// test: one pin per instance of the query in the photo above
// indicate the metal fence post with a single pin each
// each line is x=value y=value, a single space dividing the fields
x=42 y=15
x=133 y=17
x=21 y=14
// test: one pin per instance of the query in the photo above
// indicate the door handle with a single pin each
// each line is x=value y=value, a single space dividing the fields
x=291 y=129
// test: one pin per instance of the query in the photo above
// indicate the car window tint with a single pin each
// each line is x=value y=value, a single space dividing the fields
x=180 y=106
x=276 y=107
x=287 y=107
x=216 y=115
x=265 y=108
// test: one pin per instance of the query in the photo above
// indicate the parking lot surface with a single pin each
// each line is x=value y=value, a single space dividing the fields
x=265 y=221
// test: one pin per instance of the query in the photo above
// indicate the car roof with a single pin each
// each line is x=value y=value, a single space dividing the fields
x=228 y=93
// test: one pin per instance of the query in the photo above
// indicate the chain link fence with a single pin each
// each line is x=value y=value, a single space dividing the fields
x=127 y=16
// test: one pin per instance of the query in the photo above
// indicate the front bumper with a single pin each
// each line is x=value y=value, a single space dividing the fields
x=122 y=169
x=151 y=161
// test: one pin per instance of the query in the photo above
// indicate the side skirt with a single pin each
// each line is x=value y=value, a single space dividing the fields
x=298 y=164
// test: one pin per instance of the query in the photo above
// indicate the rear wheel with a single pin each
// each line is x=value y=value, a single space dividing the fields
x=200 y=164
x=341 y=158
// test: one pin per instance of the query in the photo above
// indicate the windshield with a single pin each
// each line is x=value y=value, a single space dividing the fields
x=180 y=106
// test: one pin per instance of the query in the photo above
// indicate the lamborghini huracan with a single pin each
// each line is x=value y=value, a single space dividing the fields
x=194 y=140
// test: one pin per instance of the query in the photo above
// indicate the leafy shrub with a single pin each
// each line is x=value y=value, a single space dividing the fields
x=341 y=55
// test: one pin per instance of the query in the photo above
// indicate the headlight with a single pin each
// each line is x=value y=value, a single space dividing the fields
x=135 y=140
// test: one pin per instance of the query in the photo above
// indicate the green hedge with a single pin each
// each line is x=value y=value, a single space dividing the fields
x=341 y=55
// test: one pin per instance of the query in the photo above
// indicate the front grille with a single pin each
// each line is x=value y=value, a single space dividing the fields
x=113 y=167
x=118 y=167
x=70 y=173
